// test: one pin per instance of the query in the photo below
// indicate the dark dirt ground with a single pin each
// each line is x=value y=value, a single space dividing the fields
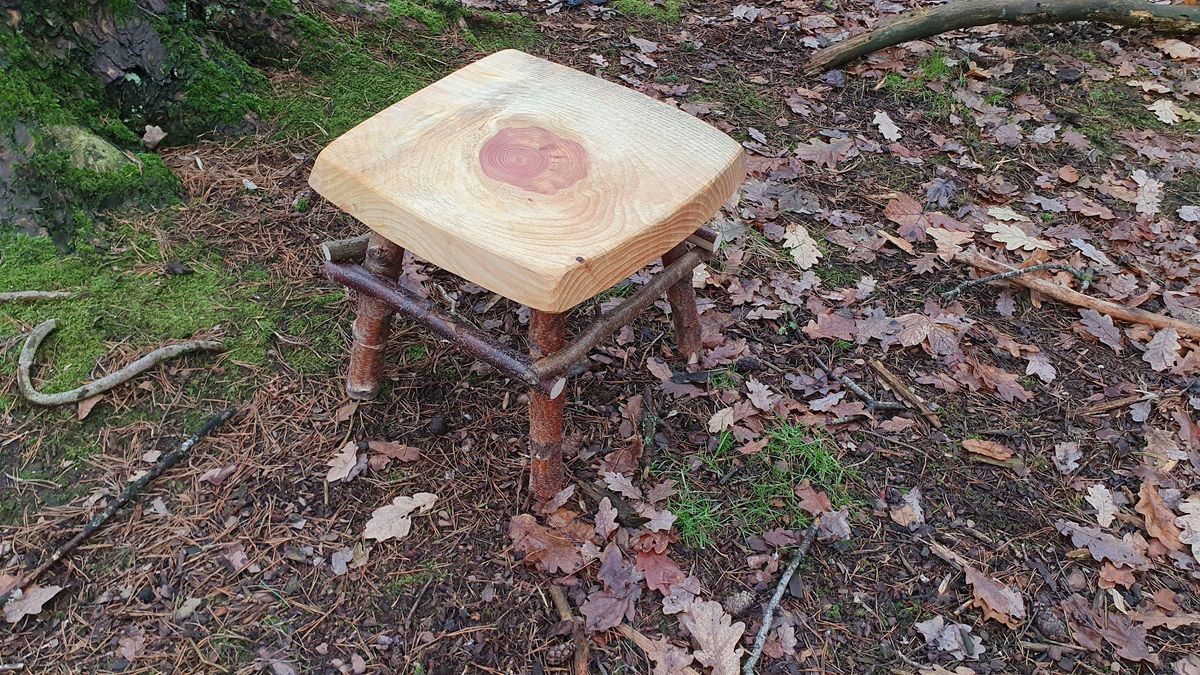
x=254 y=544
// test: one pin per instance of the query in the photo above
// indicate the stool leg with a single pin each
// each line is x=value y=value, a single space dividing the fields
x=372 y=322
x=547 y=334
x=684 y=314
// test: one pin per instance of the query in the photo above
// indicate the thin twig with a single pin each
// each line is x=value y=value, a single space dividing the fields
x=769 y=612
x=903 y=391
x=873 y=404
x=582 y=645
x=25 y=364
x=129 y=494
x=954 y=293
x=31 y=296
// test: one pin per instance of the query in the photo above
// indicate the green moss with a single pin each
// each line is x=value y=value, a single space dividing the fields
x=148 y=181
x=739 y=96
x=664 y=10
x=220 y=87
x=119 y=300
x=432 y=18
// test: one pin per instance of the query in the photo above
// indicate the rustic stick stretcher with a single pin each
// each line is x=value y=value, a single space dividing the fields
x=542 y=184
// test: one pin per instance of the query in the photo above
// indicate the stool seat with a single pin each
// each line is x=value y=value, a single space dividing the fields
x=538 y=182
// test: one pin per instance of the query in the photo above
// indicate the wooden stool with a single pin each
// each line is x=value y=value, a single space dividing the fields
x=541 y=184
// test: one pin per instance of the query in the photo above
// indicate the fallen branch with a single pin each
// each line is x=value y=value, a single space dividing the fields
x=903 y=391
x=873 y=404
x=769 y=612
x=32 y=296
x=25 y=364
x=129 y=494
x=582 y=645
x=646 y=644
x=927 y=22
x=1072 y=297
x=969 y=283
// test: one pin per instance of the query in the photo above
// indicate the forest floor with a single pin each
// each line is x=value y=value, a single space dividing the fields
x=1050 y=522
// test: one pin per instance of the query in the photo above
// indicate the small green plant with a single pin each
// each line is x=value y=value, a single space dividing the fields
x=724 y=380
x=659 y=10
x=697 y=515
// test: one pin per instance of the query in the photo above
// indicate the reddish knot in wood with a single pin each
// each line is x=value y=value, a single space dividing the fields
x=533 y=159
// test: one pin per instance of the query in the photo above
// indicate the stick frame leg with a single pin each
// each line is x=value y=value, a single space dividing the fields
x=547 y=334
x=684 y=313
x=372 y=322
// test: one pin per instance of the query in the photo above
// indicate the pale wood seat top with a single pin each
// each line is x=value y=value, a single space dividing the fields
x=538 y=182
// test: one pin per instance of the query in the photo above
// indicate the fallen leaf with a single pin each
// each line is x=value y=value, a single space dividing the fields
x=1016 y=239
x=394 y=521
x=834 y=525
x=344 y=465
x=1067 y=456
x=29 y=602
x=1160 y=522
x=1189 y=524
x=804 y=250
x=886 y=126
x=909 y=216
x=606 y=519
x=345 y=412
x=86 y=405
x=621 y=484
x=1104 y=546
x=661 y=572
x=998 y=601
x=949 y=243
x=1177 y=49
x=716 y=637
x=1162 y=352
x=949 y=638
x=1101 y=327
x=1149 y=194
x=988 y=448
x=668 y=658
x=908 y=511
x=811 y=500
x=552 y=549
x=386 y=451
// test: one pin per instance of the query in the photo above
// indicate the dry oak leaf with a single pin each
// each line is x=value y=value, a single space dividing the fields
x=1104 y=546
x=1162 y=352
x=1189 y=524
x=827 y=154
x=715 y=635
x=949 y=242
x=552 y=549
x=29 y=602
x=668 y=658
x=998 y=601
x=909 y=217
x=1160 y=522
x=908 y=512
x=661 y=572
x=386 y=451
x=811 y=500
x=621 y=484
x=1101 y=499
x=1016 y=239
x=1101 y=327
x=802 y=246
x=606 y=519
x=394 y=521
x=988 y=448
x=1178 y=49
x=886 y=126
x=344 y=464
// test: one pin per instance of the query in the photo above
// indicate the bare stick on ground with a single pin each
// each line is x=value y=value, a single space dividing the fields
x=873 y=404
x=129 y=494
x=582 y=645
x=903 y=391
x=970 y=283
x=927 y=22
x=769 y=612
x=25 y=364
x=1069 y=296
x=33 y=296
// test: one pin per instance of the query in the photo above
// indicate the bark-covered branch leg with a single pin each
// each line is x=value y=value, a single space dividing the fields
x=372 y=323
x=547 y=334
x=684 y=314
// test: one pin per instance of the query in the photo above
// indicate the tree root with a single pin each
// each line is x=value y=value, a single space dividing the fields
x=923 y=23
x=25 y=364
x=32 y=296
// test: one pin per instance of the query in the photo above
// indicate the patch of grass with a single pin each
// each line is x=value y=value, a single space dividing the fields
x=1112 y=107
x=661 y=10
x=835 y=276
x=724 y=380
x=739 y=96
x=348 y=78
x=698 y=515
x=406 y=582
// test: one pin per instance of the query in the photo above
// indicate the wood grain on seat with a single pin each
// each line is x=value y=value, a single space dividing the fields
x=538 y=182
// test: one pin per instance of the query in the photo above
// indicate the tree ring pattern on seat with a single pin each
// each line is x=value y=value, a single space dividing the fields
x=533 y=159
